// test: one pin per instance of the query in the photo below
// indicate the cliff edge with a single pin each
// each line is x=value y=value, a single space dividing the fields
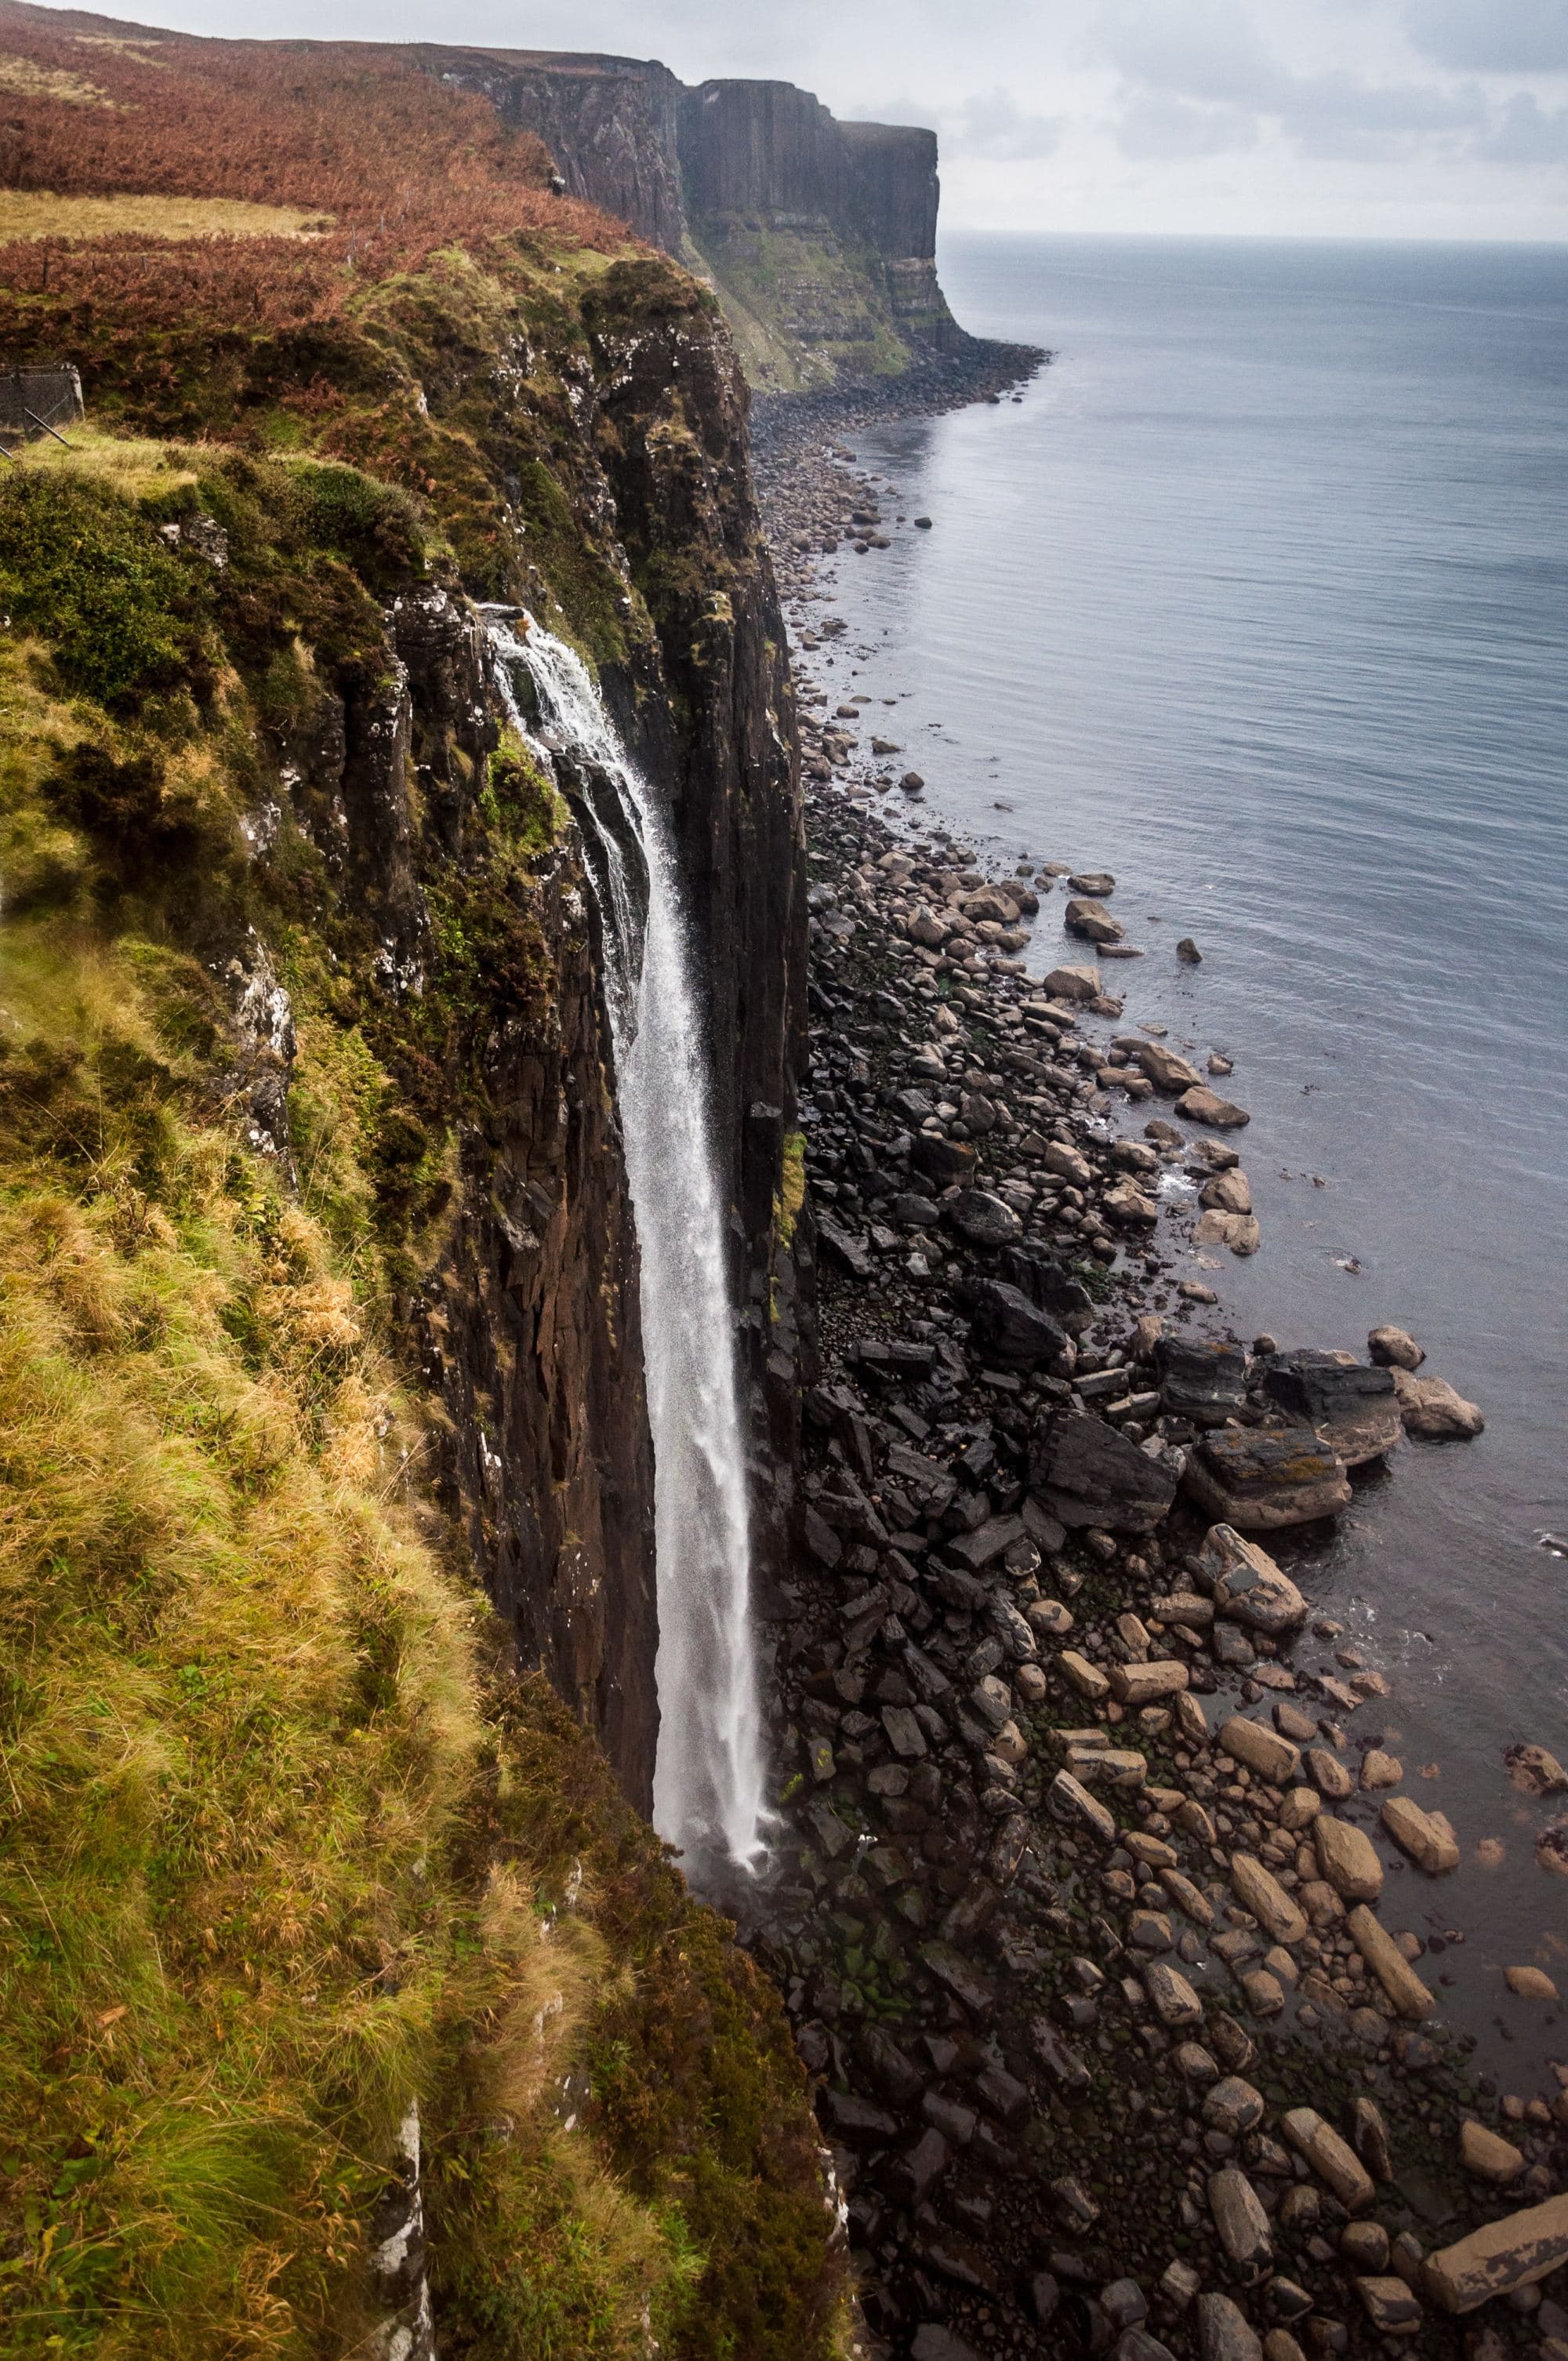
x=819 y=237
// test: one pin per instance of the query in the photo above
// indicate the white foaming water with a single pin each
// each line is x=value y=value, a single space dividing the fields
x=707 y=1780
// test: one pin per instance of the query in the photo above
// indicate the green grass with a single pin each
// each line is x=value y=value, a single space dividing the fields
x=285 y=1842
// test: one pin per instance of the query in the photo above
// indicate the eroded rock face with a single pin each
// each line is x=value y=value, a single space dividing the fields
x=1258 y=1480
x=1084 y=1472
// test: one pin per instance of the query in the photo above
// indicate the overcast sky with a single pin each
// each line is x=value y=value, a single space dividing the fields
x=1389 y=118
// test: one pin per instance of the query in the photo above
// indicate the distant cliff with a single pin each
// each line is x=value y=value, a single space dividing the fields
x=820 y=236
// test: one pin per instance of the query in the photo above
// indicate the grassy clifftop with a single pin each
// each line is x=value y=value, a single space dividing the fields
x=288 y=1840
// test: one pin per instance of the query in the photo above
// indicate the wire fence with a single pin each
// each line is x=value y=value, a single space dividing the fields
x=35 y=401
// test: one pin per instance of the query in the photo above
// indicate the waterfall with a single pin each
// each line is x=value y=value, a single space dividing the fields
x=708 y=1779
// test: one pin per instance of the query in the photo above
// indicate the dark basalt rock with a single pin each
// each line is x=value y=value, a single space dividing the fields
x=982 y=1219
x=1010 y=1331
x=1352 y=1407
x=942 y=1160
x=1202 y=1379
x=1044 y=1280
x=1087 y=1473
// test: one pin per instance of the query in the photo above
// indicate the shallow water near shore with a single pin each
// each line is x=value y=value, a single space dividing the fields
x=1259 y=598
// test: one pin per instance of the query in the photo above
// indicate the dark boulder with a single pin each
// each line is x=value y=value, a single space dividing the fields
x=982 y=1219
x=1202 y=1378
x=1352 y=1408
x=1087 y=1473
x=1045 y=1280
x=942 y=1160
x=1010 y=1331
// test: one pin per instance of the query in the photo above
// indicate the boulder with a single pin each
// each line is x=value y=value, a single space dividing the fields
x=1067 y=1164
x=1098 y=882
x=1259 y=1891
x=1140 y=1685
x=1068 y=1800
x=1434 y=1413
x=1390 y=1965
x=1127 y=1206
x=1093 y=922
x=1227 y=1193
x=1394 y=1348
x=1164 y=1069
x=1045 y=1281
x=1224 y=2333
x=1259 y=1479
x=1261 y=1749
x=1010 y=1331
x=1332 y=2159
x=1351 y=1407
x=1240 y=1232
x=940 y=1159
x=1246 y=1584
x=1073 y=984
x=1203 y=1380
x=1084 y=1472
x=1347 y=1858
x=1240 y=2220
x=1498 y=2257
x=982 y=1219
x=1488 y=2156
x=1427 y=1840
x=1201 y=1106
x=1534 y=1772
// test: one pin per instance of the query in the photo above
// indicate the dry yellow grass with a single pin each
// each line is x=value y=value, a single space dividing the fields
x=33 y=81
x=37 y=213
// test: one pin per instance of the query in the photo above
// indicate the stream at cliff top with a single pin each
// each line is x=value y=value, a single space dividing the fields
x=707 y=1780
x=1259 y=599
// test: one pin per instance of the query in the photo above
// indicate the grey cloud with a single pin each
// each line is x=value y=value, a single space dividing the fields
x=1155 y=124
x=1492 y=35
x=1526 y=133
x=994 y=125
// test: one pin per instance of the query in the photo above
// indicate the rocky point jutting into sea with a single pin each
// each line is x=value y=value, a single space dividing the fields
x=568 y=1285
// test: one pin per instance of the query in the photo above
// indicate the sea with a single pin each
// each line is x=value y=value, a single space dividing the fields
x=1258 y=598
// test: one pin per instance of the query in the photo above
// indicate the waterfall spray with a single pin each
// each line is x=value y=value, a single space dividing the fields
x=708 y=1779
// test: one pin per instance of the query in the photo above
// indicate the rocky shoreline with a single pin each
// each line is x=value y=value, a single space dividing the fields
x=1086 y=1819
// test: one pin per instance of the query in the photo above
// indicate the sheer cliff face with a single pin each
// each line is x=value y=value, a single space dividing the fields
x=820 y=236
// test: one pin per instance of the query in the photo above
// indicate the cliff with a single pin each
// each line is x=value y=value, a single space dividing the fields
x=328 y=1567
x=819 y=237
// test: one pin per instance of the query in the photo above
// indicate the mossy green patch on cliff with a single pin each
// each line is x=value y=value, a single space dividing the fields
x=806 y=311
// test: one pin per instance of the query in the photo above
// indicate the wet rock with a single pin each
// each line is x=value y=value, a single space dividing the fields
x=1172 y=1997
x=1248 y=1588
x=1394 y=1348
x=1488 y=2156
x=1203 y=1380
x=1347 y=1858
x=1352 y=1408
x=1262 y=1749
x=941 y=1160
x=1010 y=1331
x=855 y=2120
x=1188 y=952
x=1067 y=2070
x=1164 y=1069
x=1073 y=984
x=1070 y=1801
x=1390 y=1965
x=1086 y=1473
x=1258 y=1480
x=1259 y=1892
x=1128 y=1208
x=1534 y=1772
x=1238 y=1232
x=1332 y=2159
x=932 y=2342
x=982 y=1219
x=1098 y=882
x=1141 y=1685
x=1232 y=2106
x=1240 y=2220
x=1390 y=2307
x=1227 y=1193
x=1427 y=1840
x=1224 y=2333
x=1500 y=2257
x=1529 y=1983
x=1093 y=922
x=1434 y=1413
x=1201 y=1106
